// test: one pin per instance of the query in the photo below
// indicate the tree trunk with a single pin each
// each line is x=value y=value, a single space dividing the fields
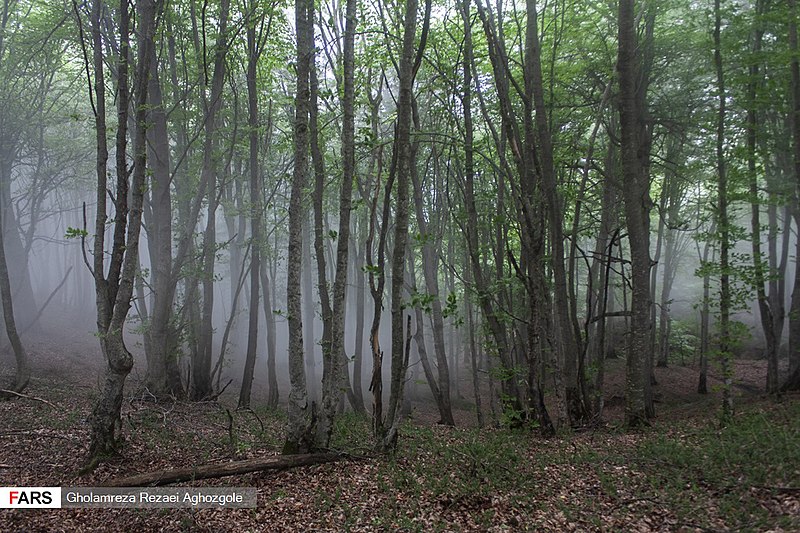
x=114 y=292
x=309 y=314
x=273 y=394
x=213 y=471
x=637 y=202
x=764 y=299
x=339 y=361
x=725 y=340
x=301 y=418
x=162 y=375
x=358 y=339
x=705 y=323
x=794 y=309
x=254 y=49
x=431 y=275
x=23 y=372
x=406 y=159
x=201 y=367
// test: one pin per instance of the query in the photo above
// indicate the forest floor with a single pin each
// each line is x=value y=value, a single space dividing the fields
x=684 y=473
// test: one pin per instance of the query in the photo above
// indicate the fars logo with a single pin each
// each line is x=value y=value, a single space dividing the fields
x=30 y=497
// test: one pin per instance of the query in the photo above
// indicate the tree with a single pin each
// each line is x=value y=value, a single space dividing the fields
x=723 y=224
x=257 y=30
x=636 y=196
x=302 y=418
x=115 y=289
x=793 y=381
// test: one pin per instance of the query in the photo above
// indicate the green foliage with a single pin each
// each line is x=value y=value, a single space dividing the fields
x=451 y=310
x=420 y=300
x=683 y=340
x=75 y=233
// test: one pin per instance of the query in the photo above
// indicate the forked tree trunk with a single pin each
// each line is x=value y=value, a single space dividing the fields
x=406 y=158
x=114 y=292
x=430 y=273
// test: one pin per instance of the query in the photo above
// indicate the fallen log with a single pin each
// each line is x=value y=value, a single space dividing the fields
x=216 y=470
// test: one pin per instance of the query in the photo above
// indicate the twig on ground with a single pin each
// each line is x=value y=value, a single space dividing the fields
x=29 y=397
x=249 y=410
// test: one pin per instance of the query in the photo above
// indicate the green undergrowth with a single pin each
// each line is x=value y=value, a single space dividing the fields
x=741 y=470
x=688 y=474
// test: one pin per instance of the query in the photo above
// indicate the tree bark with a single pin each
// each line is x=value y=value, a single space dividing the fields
x=637 y=202
x=301 y=418
x=255 y=31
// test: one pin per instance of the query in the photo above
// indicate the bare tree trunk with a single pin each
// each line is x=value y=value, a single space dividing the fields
x=419 y=339
x=358 y=340
x=764 y=299
x=309 y=314
x=273 y=394
x=301 y=416
x=566 y=323
x=469 y=177
x=162 y=374
x=431 y=275
x=376 y=286
x=705 y=324
x=637 y=207
x=255 y=45
x=201 y=366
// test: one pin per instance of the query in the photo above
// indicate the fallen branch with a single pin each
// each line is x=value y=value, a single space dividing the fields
x=28 y=397
x=279 y=462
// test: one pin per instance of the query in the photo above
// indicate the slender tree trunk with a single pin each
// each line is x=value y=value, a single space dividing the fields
x=705 y=325
x=431 y=275
x=419 y=339
x=254 y=49
x=358 y=340
x=764 y=300
x=201 y=367
x=406 y=159
x=273 y=394
x=23 y=372
x=301 y=416
x=725 y=340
